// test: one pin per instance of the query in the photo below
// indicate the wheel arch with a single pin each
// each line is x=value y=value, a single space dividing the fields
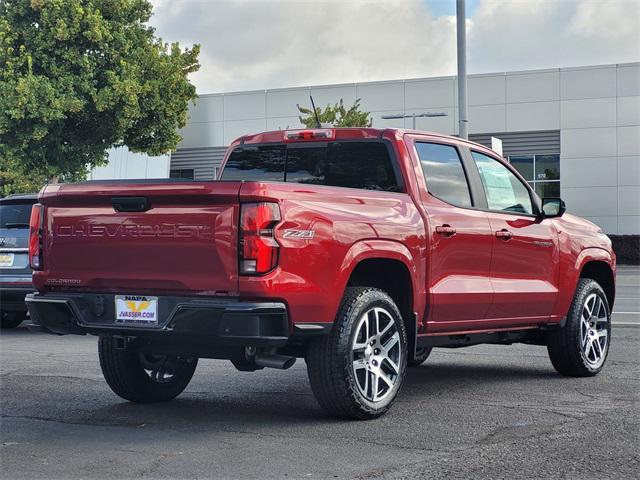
x=389 y=267
x=601 y=272
x=597 y=264
x=591 y=262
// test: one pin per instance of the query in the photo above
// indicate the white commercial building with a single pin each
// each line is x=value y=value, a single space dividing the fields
x=573 y=131
x=124 y=163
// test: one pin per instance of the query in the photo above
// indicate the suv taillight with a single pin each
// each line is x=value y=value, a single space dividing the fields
x=258 y=247
x=35 y=237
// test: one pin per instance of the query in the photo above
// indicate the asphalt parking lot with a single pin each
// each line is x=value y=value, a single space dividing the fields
x=481 y=412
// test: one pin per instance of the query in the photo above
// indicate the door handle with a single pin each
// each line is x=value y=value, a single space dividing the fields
x=504 y=234
x=130 y=204
x=446 y=230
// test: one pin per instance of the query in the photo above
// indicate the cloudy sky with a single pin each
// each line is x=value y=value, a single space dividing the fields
x=258 y=44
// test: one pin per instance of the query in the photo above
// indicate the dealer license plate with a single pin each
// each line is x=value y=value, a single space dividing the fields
x=137 y=309
x=6 y=259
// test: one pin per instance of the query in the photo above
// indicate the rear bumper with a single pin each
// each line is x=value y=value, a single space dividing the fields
x=12 y=295
x=226 y=321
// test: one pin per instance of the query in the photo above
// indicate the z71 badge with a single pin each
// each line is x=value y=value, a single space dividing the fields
x=300 y=234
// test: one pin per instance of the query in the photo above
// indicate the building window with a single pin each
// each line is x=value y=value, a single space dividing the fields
x=186 y=173
x=541 y=171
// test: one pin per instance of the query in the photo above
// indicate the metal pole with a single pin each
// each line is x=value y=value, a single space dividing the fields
x=463 y=119
x=414 y=121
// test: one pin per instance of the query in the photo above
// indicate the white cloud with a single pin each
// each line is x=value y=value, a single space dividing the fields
x=608 y=20
x=270 y=43
x=519 y=34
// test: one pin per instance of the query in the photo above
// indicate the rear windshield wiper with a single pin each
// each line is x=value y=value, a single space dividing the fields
x=16 y=225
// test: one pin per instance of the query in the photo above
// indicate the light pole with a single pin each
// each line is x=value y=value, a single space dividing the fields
x=463 y=122
x=414 y=116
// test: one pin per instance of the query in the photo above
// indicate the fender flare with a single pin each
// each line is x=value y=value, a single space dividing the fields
x=590 y=254
x=586 y=255
x=376 y=249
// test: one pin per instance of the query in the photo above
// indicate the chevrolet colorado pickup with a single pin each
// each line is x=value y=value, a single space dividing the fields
x=356 y=249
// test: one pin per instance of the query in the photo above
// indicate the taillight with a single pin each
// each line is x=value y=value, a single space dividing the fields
x=314 y=134
x=258 y=246
x=35 y=237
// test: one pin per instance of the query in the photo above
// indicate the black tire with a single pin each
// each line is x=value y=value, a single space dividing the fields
x=124 y=370
x=330 y=359
x=12 y=319
x=421 y=356
x=565 y=345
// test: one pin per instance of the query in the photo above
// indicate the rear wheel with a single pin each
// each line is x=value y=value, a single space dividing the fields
x=144 y=377
x=12 y=319
x=357 y=371
x=580 y=348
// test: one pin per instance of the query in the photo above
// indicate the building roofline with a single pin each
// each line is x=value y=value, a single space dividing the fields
x=419 y=79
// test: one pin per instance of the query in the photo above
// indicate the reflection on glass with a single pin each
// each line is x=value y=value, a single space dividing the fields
x=548 y=189
x=444 y=173
x=503 y=189
x=260 y=164
x=547 y=167
x=364 y=165
x=524 y=165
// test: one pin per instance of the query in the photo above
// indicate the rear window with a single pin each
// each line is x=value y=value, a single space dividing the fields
x=15 y=215
x=365 y=165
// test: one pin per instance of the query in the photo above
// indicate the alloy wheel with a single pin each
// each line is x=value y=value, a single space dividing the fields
x=594 y=330
x=377 y=354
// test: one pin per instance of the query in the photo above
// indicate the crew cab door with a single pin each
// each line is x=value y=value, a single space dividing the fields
x=459 y=239
x=524 y=263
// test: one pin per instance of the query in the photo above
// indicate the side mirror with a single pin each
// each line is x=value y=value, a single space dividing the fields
x=553 y=207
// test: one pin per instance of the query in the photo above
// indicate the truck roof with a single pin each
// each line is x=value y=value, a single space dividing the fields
x=346 y=133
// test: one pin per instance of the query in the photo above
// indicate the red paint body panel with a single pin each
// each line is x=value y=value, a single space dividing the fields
x=524 y=268
x=578 y=243
x=459 y=279
x=347 y=229
x=187 y=244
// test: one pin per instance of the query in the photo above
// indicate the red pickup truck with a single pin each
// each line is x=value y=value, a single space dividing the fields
x=356 y=249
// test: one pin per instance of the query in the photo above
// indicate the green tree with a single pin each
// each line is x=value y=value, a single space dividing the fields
x=14 y=178
x=337 y=115
x=80 y=76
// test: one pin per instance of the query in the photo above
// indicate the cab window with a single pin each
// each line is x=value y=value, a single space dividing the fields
x=504 y=191
x=352 y=164
x=444 y=173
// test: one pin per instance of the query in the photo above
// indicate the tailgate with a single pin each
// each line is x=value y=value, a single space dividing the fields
x=153 y=237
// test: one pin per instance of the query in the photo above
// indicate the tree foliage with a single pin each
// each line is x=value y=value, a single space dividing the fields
x=14 y=178
x=337 y=115
x=80 y=76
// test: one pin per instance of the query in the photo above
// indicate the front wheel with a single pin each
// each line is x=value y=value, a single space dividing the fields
x=144 y=377
x=357 y=371
x=580 y=348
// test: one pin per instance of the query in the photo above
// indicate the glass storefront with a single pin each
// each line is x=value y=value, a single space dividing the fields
x=541 y=171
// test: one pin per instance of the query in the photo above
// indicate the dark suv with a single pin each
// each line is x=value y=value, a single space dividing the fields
x=15 y=274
